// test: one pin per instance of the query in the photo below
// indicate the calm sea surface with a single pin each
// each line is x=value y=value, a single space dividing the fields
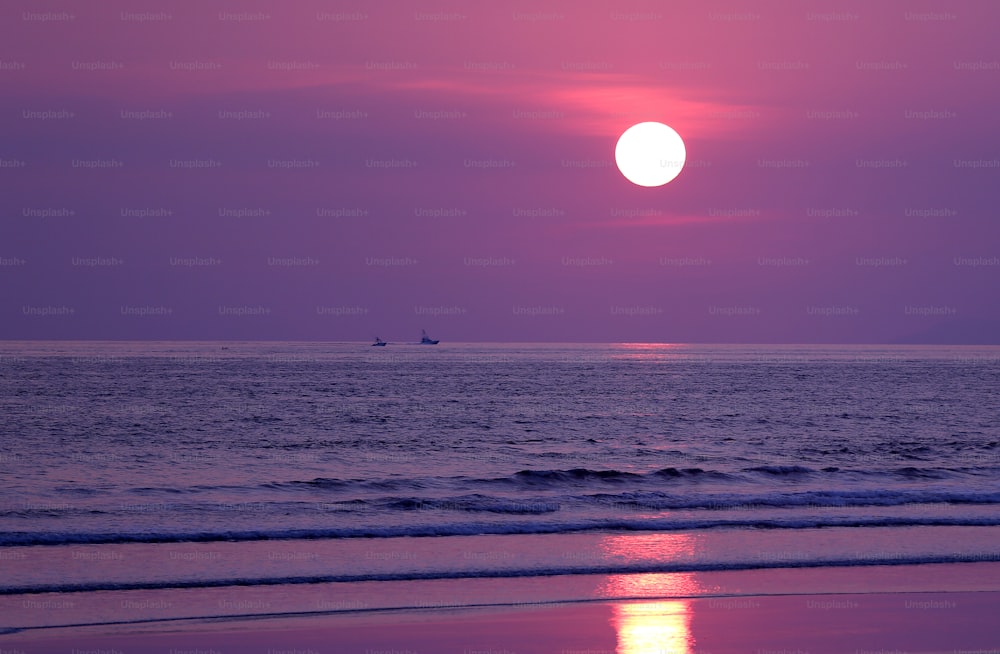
x=274 y=463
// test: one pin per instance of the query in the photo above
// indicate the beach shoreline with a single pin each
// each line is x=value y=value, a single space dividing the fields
x=875 y=609
x=867 y=623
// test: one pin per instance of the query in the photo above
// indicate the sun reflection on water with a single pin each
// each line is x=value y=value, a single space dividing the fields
x=660 y=626
x=653 y=627
x=647 y=351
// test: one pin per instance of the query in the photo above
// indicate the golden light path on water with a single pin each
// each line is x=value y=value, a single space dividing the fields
x=654 y=627
x=657 y=626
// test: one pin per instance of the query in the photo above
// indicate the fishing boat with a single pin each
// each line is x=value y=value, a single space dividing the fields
x=379 y=342
x=427 y=340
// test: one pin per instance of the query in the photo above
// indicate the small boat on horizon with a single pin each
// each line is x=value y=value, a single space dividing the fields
x=379 y=342
x=427 y=340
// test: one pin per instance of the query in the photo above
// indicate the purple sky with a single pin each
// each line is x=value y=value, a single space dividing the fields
x=378 y=168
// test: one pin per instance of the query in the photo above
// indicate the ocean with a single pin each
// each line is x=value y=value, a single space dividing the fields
x=306 y=474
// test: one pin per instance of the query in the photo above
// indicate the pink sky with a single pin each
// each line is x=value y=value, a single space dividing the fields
x=841 y=186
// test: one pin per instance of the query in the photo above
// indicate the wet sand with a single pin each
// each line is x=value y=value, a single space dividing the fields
x=847 y=619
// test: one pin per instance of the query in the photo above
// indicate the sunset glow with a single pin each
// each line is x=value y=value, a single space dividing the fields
x=499 y=327
x=327 y=172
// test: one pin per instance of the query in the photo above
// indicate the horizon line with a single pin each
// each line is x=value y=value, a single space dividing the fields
x=443 y=342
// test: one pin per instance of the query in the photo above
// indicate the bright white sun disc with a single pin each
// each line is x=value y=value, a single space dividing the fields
x=650 y=154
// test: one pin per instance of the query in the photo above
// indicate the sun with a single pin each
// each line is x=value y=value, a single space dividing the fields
x=650 y=154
